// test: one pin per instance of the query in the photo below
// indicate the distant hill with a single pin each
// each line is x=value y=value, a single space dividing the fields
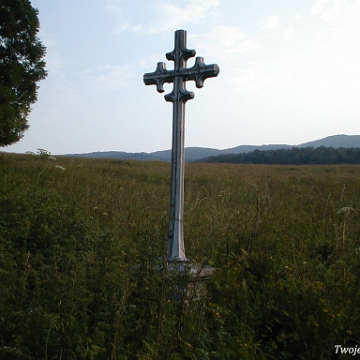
x=335 y=141
x=197 y=153
x=118 y=155
x=248 y=148
x=191 y=153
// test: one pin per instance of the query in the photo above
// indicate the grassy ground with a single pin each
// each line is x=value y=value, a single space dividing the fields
x=284 y=241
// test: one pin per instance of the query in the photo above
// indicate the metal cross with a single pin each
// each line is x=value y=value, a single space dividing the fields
x=179 y=96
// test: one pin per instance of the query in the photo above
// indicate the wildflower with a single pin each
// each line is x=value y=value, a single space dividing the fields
x=60 y=167
x=345 y=209
x=43 y=152
x=51 y=158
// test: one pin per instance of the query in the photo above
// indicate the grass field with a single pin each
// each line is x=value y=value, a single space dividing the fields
x=284 y=241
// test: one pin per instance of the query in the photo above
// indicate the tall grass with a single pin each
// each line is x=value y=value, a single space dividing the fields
x=284 y=241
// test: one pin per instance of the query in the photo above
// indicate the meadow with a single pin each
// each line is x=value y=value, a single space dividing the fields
x=81 y=239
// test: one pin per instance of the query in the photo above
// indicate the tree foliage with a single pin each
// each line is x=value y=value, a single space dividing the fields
x=21 y=67
x=295 y=156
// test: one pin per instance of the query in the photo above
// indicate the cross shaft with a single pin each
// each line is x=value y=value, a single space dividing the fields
x=179 y=96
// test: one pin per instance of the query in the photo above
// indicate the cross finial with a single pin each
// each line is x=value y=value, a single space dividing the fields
x=178 y=96
x=180 y=54
x=198 y=73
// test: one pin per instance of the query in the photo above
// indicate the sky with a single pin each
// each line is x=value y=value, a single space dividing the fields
x=289 y=73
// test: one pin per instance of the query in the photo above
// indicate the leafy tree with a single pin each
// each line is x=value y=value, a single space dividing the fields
x=21 y=67
x=295 y=156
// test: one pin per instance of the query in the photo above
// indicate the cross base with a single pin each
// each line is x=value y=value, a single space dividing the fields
x=191 y=280
x=188 y=268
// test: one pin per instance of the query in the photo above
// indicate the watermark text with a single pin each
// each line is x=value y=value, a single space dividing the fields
x=347 y=350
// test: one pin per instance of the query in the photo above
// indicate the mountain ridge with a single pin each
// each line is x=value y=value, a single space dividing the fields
x=197 y=153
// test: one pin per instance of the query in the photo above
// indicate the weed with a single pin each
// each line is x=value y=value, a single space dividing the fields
x=283 y=240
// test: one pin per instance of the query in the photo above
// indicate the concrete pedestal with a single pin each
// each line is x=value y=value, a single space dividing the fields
x=190 y=279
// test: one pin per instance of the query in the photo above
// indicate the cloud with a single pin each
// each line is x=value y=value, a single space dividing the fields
x=272 y=22
x=116 y=8
x=254 y=78
x=225 y=42
x=291 y=28
x=54 y=62
x=106 y=78
x=341 y=35
x=330 y=10
x=164 y=15
x=318 y=70
x=174 y=16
